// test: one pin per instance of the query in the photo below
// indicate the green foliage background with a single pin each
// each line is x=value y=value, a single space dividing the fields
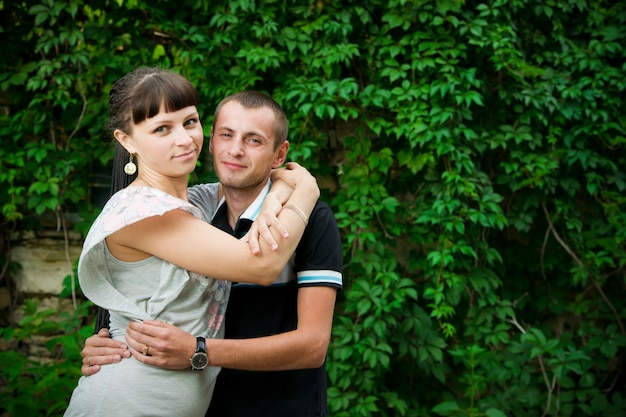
x=473 y=153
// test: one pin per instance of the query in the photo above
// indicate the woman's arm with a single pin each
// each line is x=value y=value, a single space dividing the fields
x=273 y=204
x=190 y=243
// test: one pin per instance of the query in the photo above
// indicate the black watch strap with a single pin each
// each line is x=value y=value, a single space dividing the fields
x=200 y=344
x=200 y=358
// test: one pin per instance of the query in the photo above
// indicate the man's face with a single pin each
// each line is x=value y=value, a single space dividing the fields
x=242 y=146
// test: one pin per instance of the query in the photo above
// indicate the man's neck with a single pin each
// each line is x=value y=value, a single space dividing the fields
x=238 y=201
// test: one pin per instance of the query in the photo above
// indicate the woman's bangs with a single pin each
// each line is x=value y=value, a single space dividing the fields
x=174 y=93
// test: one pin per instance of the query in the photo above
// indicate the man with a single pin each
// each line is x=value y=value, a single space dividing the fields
x=273 y=356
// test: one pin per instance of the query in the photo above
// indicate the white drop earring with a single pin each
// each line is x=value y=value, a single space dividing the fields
x=130 y=168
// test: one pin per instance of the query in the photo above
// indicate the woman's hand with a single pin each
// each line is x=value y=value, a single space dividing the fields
x=294 y=175
x=294 y=178
x=261 y=226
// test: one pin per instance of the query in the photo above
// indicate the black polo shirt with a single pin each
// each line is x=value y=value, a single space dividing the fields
x=257 y=311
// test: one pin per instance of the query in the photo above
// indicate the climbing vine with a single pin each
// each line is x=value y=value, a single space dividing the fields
x=472 y=152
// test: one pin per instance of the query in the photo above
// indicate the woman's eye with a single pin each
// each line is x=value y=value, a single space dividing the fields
x=160 y=129
x=191 y=122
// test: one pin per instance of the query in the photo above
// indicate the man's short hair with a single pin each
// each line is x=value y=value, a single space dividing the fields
x=253 y=100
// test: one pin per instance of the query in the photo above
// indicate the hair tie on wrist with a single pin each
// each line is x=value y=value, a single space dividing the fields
x=299 y=212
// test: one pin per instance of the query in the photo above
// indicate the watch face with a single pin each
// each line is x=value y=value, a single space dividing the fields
x=199 y=360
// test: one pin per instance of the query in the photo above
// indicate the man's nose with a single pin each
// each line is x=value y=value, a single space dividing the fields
x=236 y=147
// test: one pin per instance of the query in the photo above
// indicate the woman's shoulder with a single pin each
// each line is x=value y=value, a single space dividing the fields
x=132 y=204
x=150 y=198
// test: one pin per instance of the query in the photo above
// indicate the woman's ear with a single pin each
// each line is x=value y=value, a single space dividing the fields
x=124 y=140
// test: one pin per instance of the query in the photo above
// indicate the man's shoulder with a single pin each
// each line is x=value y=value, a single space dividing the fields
x=321 y=221
x=321 y=209
x=203 y=190
x=320 y=246
x=205 y=197
x=322 y=204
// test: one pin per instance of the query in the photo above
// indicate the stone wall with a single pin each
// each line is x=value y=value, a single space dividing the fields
x=45 y=259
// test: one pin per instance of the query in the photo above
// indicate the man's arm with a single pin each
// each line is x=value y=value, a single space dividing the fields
x=304 y=347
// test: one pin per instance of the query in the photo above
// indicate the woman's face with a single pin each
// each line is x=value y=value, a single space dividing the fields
x=167 y=144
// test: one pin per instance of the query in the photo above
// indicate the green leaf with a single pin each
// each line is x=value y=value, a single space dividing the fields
x=446 y=407
x=494 y=412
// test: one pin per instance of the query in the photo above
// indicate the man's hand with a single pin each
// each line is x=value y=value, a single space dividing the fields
x=156 y=343
x=100 y=349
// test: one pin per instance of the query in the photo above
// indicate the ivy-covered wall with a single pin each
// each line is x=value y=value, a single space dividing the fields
x=473 y=153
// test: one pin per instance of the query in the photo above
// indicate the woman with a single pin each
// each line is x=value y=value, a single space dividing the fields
x=149 y=252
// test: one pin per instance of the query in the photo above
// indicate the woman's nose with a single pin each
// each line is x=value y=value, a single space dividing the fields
x=183 y=137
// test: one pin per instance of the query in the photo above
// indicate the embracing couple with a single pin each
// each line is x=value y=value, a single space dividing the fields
x=217 y=299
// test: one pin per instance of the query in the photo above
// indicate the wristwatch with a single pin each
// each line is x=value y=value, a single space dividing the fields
x=200 y=359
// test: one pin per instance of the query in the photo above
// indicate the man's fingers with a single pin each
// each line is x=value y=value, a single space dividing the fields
x=131 y=339
x=155 y=360
x=139 y=334
x=91 y=361
x=89 y=370
x=148 y=327
x=140 y=342
x=147 y=359
x=104 y=332
x=101 y=341
x=91 y=364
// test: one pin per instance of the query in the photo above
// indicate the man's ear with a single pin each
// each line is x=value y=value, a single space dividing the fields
x=124 y=140
x=211 y=141
x=280 y=156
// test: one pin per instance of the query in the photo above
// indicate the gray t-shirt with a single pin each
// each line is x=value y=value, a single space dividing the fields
x=149 y=289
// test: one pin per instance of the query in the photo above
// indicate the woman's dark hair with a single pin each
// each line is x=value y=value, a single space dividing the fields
x=138 y=96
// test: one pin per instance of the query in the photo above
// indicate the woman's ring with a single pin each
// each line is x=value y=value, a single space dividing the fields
x=145 y=350
x=89 y=361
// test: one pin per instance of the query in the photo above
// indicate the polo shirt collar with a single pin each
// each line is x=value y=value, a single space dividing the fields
x=253 y=209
